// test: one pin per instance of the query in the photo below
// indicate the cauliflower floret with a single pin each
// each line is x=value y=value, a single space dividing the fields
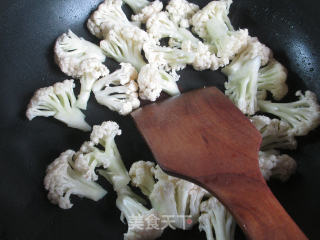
x=253 y=49
x=273 y=78
x=120 y=77
x=144 y=13
x=91 y=70
x=275 y=133
x=160 y=26
x=142 y=176
x=122 y=99
x=108 y=15
x=90 y=156
x=58 y=101
x=213 y=25
x=170 y=195
x=167 y=57
x=124 y=44
x=303 y=115
x=241 y=87
x=181 y=12
x=176 y=197
x=217 y=10
x=134 y=212
x=152 y=81
x=203 y=58
x=62 y=181
x=70 y=51
x=216 y=217
x=196 y=196
x=103 y=137
x=272 y=164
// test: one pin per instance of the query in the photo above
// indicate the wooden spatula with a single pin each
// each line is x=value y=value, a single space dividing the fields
x=202 y=137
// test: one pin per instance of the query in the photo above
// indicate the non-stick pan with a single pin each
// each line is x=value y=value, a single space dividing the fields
x=28 y=29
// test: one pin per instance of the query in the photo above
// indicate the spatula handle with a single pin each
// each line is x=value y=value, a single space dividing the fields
x=257 y=211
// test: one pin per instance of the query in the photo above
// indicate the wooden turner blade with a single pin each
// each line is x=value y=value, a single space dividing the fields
x=202 y=137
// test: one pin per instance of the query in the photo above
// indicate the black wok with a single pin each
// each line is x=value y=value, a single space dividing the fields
x=28 y=29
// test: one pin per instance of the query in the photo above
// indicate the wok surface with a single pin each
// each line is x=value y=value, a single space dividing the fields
x=28 y=29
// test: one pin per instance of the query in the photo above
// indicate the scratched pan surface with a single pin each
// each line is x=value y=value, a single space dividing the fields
x=28 y=29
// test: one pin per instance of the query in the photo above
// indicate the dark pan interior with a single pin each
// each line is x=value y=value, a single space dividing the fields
x=28 y=29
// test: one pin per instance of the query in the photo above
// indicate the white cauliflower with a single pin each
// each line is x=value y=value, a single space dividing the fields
x=241 y=87
x=181 y=12
x=144 y=9
x=253 y=50
x=176 y=197
x=122 y=99
x=70 y=51
x=169 y=196
x=153 y=80
x=119 y=91
x=91 y=70
x=215 y=218
x=167 y=57
x=273 y=78
x=141 y=175
x=160 y=26
x=275 y=133
x=79 y=58
x=92 y=156
x=303 y=115
x=274 y=165
x=62 y=181
x=58 y=101
x=103 y=136
x=212 y=24
x=121 y=76
x=108 y=15
x=124 y=44
x=139 y=218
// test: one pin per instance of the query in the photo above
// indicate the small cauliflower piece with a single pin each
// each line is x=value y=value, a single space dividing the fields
x=273 y=78
x=152 y=81
x=160 y=175
x=119 y=91
x=274 y=165
x=212 y=24
x=253 y=50
x=91 y=156
x=275 y=133
x=79 y=58
x=160 y=26
x=70 y=51
x=216 y=217
x=303 y=115
x=241 y=87
x=62 y=181
x=121 y=76
x=124 y=44
x=103 y=136
x=108 y=15
x=91 y=70
x=138 y=218
x=142 y=176
x=144 y=9
x=167 y=57
x=58 y=101
x=181 y=12
x=122 y=99
x=163 y=199
x=178 y=198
